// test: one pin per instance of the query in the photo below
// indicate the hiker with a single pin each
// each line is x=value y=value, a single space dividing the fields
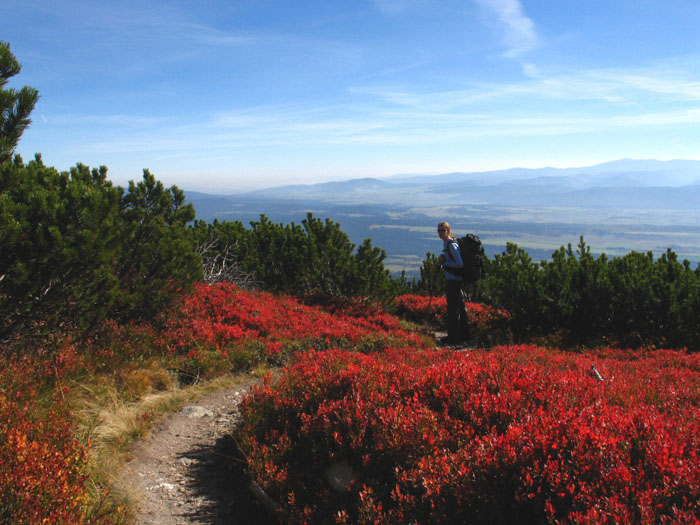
x=451 y=262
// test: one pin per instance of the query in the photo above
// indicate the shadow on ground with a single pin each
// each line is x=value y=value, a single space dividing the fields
x=217 y=478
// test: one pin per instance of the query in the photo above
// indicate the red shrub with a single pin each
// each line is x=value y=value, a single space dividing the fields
x=517 y=434
x=221 y=315
x=485 y=321
x=42 y=476
x=423 y=309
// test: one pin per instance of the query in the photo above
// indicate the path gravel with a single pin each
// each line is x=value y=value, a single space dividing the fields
x=189 y=470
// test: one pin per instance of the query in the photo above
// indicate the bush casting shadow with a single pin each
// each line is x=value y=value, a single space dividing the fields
x=218 y=475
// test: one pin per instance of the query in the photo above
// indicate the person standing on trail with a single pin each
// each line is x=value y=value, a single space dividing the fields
x=451 y=261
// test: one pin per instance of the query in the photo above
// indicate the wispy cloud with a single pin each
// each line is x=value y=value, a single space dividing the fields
x=121 y=120
x=518 y=30
x=272 y=130
x=616 y=88
x=284 y=135
x=205 y=35
x=602 y=101
x=136 y=26
x=389 y=7
x=646 y=85
x=394 y=7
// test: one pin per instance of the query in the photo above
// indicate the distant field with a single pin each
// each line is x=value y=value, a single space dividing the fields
x=541 y=232
x=408 y=233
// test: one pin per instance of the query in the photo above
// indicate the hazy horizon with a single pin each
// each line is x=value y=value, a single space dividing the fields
x=684 y=176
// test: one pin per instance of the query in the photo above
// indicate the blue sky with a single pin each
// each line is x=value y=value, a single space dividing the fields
x=225 y=95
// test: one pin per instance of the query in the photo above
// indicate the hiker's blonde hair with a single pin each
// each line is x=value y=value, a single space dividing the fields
x=446 y=225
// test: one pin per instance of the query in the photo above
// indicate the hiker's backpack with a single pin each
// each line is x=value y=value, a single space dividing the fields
x=472 y=252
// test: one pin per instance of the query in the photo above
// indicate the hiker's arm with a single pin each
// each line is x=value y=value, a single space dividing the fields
x=454 y=258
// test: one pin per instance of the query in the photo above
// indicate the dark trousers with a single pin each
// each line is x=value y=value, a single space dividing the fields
x=457 y=320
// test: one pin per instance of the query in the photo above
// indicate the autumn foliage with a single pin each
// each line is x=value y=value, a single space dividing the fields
x=226 y=321
x=518 y=434
x=486 y=322
x=369 y=423
x=42 y=477
x=215 y=329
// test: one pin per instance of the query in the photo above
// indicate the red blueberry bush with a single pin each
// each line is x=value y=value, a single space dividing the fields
x=42 y=464
x=423 y=309
x=224 y=319
x=518 y=434
x=487 y=323
x=42 y=477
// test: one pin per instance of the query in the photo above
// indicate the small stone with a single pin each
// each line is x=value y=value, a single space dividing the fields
x=196 y=412
x=166 y=486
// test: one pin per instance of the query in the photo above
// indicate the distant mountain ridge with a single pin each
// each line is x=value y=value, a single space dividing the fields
x=623 y=183
x=618 y=206
x=678 y=172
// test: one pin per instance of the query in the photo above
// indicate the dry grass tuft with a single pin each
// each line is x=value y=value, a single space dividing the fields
x=114 y=411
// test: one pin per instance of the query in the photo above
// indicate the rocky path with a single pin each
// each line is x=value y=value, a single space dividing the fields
x=189 y=471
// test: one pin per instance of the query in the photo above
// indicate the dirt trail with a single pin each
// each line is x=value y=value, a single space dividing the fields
x=189 y=471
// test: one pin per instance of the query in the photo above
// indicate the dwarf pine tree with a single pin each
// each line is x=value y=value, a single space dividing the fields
x=329 y=256
x=372 y=278
x=77 y=250
x=158 y=259
x=633 y=300
x=60 y=234
x=15 y=106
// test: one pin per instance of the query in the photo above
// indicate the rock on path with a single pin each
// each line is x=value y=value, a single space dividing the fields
x=189 y=470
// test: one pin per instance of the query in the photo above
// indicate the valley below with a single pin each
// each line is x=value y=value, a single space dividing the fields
x=408 y=233
x=618 y=207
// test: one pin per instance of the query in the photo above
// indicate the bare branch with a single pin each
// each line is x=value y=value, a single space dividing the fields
x=221 y=266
